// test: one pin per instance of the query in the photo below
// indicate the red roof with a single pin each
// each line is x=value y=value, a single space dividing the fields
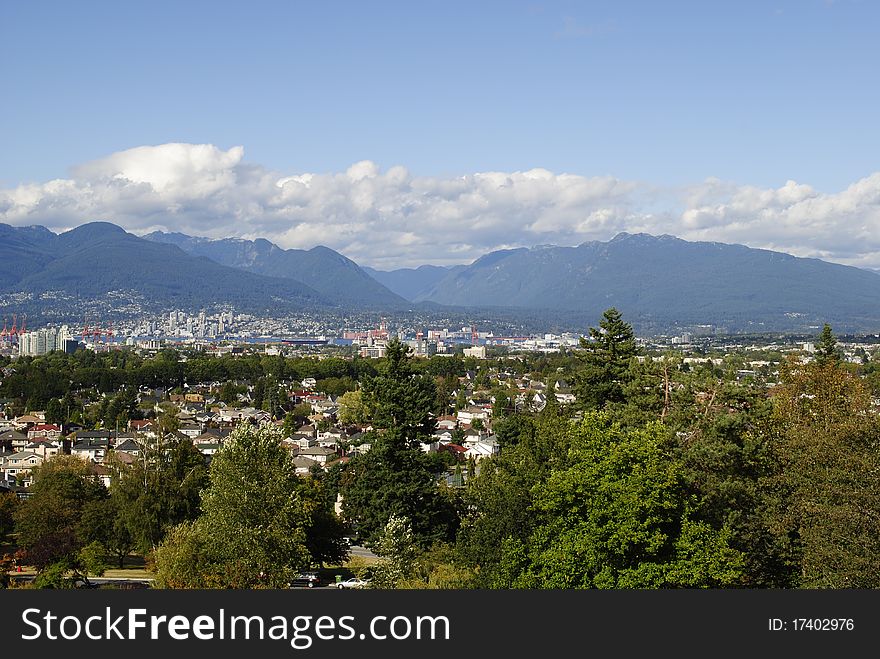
x=44 y=427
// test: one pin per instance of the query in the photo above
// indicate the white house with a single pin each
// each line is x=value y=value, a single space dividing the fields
x=44 y=448
x=472 y=413
x=483 y=449
x=91 y=449
x=191 y=430
x=19 y=464
x=320 y=455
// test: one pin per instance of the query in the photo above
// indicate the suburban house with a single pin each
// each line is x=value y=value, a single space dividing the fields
x=26 y=421
x=17 y=440
x=318 y=454
x=446 y=423
x=91 y=449
x=18 y=465
x=191 y=430
x=484 y=448
x=472 y=413
x=128 y=445
x=144 y=426
x=44 y=447
x=49 y=430
x=303 y=465
x=102 y=473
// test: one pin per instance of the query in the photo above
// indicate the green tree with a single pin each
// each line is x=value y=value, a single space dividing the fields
x=605 y=361
x=229 y=392
x=499 y=500
x=620 y=516
x=253 y=529
x=352 y=409
x=8 y=506
x=325 y=533
x=395 y=477
x=398 y=549
x=391 y=480
x=159 y=490
x=49 y=521
x=103 y=524
x=55 y=412
x=826 y=347
x=827 y=439
x=400 y=399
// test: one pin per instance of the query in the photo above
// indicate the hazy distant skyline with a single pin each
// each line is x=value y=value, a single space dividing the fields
x=405 y=133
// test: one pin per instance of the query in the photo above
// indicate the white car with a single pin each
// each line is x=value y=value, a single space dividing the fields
x=354 y=582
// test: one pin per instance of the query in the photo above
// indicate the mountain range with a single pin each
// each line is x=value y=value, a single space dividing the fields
x=96 y=258
x=658 y=282
x=330 y=273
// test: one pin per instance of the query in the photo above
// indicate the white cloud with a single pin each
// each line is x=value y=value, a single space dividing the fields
x=390 y=218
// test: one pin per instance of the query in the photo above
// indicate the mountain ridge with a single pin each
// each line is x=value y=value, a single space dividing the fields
x=99 y=257
x=657 y=282
x=667 y=279
x=330 y=273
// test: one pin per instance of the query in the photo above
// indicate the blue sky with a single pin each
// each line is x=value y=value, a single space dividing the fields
x=666 y=94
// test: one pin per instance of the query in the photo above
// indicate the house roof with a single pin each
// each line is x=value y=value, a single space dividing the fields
x=92 y=434
x=317 y=450
x=124 y=458
x=40 y=442
x=21 y=455
x=100 y=470
x=304 y=463
x=91 y=444
x=128 y=445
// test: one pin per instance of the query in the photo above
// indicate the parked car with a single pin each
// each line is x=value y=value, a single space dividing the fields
x=306 y=579
x=354 y=582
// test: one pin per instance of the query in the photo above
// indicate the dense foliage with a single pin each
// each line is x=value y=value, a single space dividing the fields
x=664 y=473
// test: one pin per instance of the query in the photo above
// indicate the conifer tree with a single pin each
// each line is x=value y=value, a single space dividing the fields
x=605 y=362
x=826 y=349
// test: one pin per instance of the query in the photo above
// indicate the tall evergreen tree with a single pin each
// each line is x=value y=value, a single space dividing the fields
x=605 y=360
x=826 y=348
x=395 y=477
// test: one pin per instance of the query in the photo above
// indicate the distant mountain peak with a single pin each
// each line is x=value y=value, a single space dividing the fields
x=97 y=227
x=329 y=272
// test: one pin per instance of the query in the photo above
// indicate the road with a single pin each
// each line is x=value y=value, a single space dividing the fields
x=362 y=552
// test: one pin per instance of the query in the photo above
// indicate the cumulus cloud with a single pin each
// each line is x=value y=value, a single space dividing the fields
x=390 y=218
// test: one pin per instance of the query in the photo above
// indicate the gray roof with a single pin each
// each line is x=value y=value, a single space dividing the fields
x=317 y=450
x=304 y=463
x=128 y=445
